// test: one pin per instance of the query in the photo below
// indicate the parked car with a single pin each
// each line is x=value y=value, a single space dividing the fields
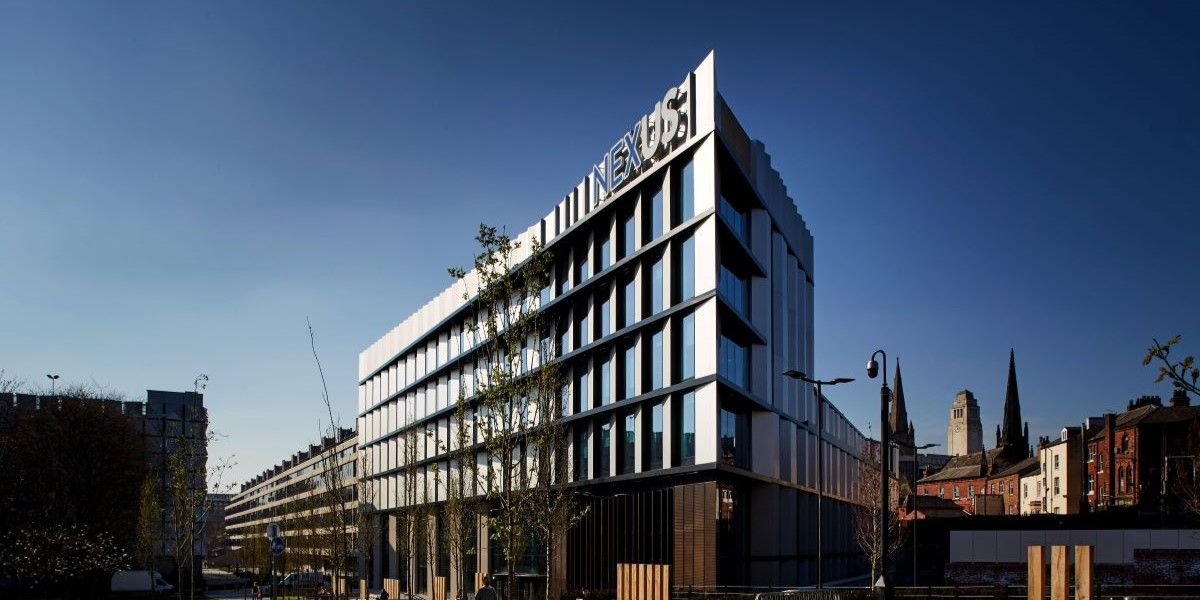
x=306 y=580
x=139 y=581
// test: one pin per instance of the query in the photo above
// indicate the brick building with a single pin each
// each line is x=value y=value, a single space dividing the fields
x=1136 y=451
x=968 y=480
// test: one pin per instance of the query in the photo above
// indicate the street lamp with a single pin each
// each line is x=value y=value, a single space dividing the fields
x=884 y=589
x=794 y=374
x=915 y=449
x=53 y=379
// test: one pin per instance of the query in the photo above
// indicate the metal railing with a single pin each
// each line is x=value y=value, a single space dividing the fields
x=1101 y=592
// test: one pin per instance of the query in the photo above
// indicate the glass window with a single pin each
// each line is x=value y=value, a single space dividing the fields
x=735 y=218
x=687 y=346
x=654 y=294
x=564 y=336
x=581 y=390
x=654 y=441
x=603 y=443
x=581 y=452
x=685 y=270
x=630 y=371
x=734 y=289
x=656 y=360
x=734 y=438
x=628 y=446
x=562 y=277
x=582 y=333
x=734 y=361
x=686 y=431
x=628 y=235
x=603 y=383
x=686 y=204
x=653 y=210
x=543 y=298
x=630 y=309
x=583 y=270
x=605 y=312
x=604 y=252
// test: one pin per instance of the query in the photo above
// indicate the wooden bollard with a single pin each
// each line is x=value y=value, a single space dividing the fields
x=1060 y=577
x=1036 y=584
x=1083 y=572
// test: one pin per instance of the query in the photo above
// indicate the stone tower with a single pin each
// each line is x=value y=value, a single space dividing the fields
x=965 y=433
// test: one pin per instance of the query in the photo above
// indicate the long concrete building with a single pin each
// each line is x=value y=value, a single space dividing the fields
x=295 y=494
x=682 y=289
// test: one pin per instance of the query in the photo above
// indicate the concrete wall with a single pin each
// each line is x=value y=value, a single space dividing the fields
x=1113 y=546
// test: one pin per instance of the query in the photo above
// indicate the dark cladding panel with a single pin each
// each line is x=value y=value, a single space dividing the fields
x=618 y=529
x=695 y=549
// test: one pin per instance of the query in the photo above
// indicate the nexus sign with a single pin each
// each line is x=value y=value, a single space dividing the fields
x=652 y=137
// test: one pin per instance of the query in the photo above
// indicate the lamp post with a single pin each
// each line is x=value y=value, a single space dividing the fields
x=53 y=379
x=884 y=589
x=794 y=374
x=914 y=499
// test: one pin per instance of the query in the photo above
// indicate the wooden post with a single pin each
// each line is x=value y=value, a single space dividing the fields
x=1037 y=573
x=1060 y=578
x=1083 y=573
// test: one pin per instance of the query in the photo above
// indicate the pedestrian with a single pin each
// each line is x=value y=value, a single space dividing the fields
x=257 y=592
x=383 y=595
x=487 y=592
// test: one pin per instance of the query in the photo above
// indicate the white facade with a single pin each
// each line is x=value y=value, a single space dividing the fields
x=1059 y=461
x=1031 y=493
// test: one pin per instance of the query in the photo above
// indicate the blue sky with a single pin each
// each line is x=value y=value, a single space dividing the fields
x=182 y=184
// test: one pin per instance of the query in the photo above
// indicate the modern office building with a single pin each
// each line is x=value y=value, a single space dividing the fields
x=682 y=289
x=294 y=495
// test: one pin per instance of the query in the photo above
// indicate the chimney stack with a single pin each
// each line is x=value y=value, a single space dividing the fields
x=1180 y=397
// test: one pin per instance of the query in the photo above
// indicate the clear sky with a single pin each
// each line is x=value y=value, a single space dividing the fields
x=182 y=184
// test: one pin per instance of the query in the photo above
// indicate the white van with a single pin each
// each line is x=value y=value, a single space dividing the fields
x=139 y=581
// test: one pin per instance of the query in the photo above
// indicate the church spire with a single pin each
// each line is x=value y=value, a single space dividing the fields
x=1011 y=434
x=898 y=420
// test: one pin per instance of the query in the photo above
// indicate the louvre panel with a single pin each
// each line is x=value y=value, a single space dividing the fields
x=695 y=535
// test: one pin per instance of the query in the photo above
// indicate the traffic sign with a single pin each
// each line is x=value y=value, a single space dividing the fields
x=272 y=531
x=277 y=546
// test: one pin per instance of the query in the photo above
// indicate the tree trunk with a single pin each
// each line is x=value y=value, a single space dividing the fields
x=549 y=570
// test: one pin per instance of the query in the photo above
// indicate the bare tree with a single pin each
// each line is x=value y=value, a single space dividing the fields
x=1184 y=374
x=868 y=504
x=413 y=507
x=189 y=478
x=504 y=287
x=10 y=385
x=556 y=507
x=341 y=513
x=149 y=543
x=463 y=506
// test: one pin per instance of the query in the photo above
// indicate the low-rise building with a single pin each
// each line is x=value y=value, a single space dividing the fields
x=295 y=495
x=1132 y=453
x=1061 y=472
x=1031 y=490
